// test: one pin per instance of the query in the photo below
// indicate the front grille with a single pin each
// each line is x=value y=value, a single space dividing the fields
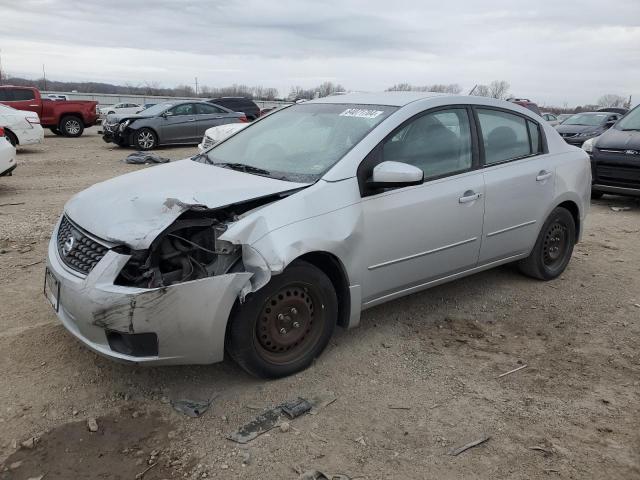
x=618 y=176
x=77 y=250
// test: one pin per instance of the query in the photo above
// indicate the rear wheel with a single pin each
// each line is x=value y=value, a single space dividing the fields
x=281 y=328
x=554 y=246
x=145 y=139
x=13 y=140
x=71 y=126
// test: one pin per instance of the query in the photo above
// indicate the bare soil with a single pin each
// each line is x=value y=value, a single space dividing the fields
x=419 y=377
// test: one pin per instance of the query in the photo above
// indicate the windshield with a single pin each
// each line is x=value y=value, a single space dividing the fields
x=299 y=143
x=157 y=109
x=631 y=121
x=589 y=119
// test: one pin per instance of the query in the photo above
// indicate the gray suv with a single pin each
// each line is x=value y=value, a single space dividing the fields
x=169 y=123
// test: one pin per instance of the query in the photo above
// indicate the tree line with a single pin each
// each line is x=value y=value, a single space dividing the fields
x=499 y=89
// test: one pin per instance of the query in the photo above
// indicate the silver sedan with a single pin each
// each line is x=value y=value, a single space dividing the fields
x=263 y=244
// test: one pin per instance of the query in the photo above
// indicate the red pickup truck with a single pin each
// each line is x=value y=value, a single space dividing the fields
x=62 y=117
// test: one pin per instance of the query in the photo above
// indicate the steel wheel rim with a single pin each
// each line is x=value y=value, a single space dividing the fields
x=145 y=139
x=290 y=324
x=554 y=247
x=73 y=127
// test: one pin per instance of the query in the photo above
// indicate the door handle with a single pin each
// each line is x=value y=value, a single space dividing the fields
x=469 y=196
x=191 y=120
x=543 y=175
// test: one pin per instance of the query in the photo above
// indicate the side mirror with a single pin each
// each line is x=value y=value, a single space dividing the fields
x=395 y=174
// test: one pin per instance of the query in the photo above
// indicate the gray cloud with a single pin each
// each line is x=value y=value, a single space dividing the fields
x=549 y=50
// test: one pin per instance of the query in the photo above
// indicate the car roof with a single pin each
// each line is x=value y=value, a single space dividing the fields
x=394 y=99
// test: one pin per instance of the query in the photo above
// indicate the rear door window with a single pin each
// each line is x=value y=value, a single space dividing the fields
x=207 y=109
x=505 y=136
x=20 y=95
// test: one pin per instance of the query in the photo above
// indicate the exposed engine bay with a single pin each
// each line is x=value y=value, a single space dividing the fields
x=189 y=249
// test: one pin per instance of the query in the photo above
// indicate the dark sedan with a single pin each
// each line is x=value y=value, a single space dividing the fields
x=582 y=126
x=169 y=123
x=615 y=158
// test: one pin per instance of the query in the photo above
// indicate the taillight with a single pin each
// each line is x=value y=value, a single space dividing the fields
x=1 y=132
x=243 y=119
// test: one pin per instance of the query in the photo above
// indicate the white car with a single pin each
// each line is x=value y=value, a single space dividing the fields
x=120 y=108
x=551 y=119
x=57 y=96
x=263 y=244
x=21 y=127
x=218 y=133
x=7 y=156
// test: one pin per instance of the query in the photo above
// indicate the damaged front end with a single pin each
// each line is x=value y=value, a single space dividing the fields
x=190 y=249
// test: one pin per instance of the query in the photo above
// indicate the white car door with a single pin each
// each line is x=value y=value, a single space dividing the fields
x=417 y=234
x=519 y=181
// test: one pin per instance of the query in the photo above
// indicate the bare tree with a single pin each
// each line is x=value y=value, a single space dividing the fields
x=481 y=91
x=438 y=87
x=499 y=89
x=612 y=100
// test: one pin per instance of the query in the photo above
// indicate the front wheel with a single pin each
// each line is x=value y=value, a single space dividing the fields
x=554 y=246
x=145 y=139
x=71 y=126
x=280 y=329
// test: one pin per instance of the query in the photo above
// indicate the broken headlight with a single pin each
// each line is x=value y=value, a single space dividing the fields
x=189 y=249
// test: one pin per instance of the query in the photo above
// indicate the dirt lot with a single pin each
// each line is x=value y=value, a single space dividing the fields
x=418 y=378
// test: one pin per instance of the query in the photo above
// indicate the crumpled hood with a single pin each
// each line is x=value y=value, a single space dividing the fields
x=118 y=117
x=562 y=128
x=134 y=208
x=618 y=139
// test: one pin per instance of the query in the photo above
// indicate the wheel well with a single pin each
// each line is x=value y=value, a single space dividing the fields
x=575 y=213
x=8 y=130
x=332 y=268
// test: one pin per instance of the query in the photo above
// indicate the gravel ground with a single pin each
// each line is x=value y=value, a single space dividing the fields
x=419 y=377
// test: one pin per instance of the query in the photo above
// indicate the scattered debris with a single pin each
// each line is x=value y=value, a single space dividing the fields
x=30 y=443
x=318 y=475
x=140 y=158
x=512 y=371
x=140 y=475
x=284 y=427
x=620 y=209
x=295 y=408
x=273 y=417
x=39 y=477
x=398 y=407
x=457 y=451
x=191 y=408
x=542 y=449
x=360 y=440
x=15 y=465
x=92 y=425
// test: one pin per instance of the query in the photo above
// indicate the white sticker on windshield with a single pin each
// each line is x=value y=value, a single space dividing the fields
x=360 y=113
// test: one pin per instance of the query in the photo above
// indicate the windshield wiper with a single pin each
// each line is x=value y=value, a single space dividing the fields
x=243 y=168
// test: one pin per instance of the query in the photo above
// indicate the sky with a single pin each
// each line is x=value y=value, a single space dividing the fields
x=554 y=52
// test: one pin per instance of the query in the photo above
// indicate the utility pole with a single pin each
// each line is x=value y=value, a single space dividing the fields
x=196 y=86
x=44 y=76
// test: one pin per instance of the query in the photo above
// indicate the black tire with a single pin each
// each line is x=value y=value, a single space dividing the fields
x=144 y=139
x=55 y=130
x=596 y=194
x=13 y=140
x=263 y=337
x=554 y=246
x=71 y=126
